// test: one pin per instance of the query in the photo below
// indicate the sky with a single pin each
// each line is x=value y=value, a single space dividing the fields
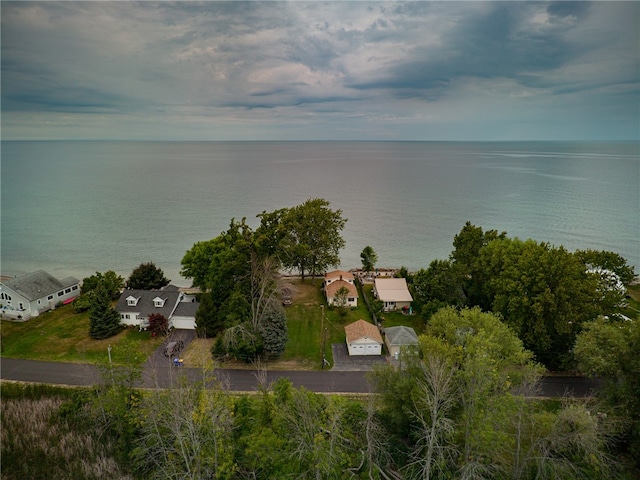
x=315 y=70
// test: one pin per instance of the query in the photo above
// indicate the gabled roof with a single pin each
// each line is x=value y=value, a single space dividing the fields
x=333 y=288
x=343 y=274
x=186 y=309
x=401 y=336
x=393 y=290
x=361 y=329
x=39 y=284
x=145 y=305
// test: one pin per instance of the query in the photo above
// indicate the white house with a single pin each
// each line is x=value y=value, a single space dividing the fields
x=135 y=306
x=34 y=293
x=393 y=292
x=400 y=340
x=363 y=338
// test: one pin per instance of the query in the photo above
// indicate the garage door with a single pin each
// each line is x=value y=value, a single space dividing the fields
x=184 y=323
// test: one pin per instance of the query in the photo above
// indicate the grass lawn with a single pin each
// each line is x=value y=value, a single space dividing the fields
x=307 y=326
x=63 y=336
x=396 y=319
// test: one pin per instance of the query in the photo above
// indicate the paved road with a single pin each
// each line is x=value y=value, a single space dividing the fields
x=165 y=375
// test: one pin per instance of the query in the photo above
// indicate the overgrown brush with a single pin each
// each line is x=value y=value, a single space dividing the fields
x=38 y=443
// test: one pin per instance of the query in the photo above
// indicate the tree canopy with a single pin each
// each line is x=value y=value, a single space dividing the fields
x=306 y=237
x=147 y=276
x=369 y=258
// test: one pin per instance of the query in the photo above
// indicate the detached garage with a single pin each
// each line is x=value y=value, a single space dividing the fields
x=363 y=338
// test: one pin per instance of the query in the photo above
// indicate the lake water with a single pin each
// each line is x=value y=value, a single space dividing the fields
x=74 y=208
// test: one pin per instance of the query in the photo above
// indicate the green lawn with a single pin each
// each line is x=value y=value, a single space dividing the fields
x=63 y=336
x=307 y=327
x=396 y=319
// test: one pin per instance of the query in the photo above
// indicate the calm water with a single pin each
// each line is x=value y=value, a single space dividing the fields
x=74 y=208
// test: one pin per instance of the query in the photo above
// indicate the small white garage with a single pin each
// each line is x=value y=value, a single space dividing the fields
x=363 y=338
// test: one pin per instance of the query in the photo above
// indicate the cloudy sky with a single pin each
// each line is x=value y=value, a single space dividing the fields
x=320 y=70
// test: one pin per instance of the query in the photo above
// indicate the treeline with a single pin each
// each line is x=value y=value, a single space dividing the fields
x=460 y=408
x=544 y=293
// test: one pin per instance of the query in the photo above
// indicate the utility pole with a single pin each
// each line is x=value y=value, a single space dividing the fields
x=322 y=333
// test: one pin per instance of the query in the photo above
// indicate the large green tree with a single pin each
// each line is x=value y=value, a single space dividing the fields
x=147 y=276
x=440 y=285
x=611 y=350
x=461 y=412
x=112 y=282
x=543 y=292
x=313 y=237
x=104 y=321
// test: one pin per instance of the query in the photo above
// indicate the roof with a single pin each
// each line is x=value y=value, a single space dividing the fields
x=333 y=288
x=401 y=336
x=39 y=284
x=145 y=306
x=393 y=290
x=361 y=329
x=186 y=309
x=343 y=274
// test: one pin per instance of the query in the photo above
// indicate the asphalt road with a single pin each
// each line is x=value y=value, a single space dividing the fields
x=164 y=375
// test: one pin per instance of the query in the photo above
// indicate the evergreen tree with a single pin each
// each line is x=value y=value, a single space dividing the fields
x=104 y=321
x=274 y=333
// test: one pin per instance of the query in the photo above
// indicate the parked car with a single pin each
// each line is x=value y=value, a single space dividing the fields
x=173 y=347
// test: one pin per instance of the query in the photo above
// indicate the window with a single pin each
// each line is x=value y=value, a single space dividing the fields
x=75 y=287
x=50 y=297
x=132 y=301
x=61 y=293
x=68 y=290
x=158 y=302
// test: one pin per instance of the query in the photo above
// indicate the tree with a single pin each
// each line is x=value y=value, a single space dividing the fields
x=158 y=324
x=467 y=246
x=438 y=286
x=104 y=321
x=273 y=330
x=369 y=258
x=112 y=282
x=608 y=261
x=542 y=292
x=147 y=276
x=313 y=239
x=340 y=300
x=609 y=349
x=208 y=322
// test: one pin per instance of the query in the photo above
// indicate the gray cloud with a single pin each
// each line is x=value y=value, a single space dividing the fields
x=398 y=68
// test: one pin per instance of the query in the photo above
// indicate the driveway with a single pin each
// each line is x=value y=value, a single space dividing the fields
x=358 y=363
x=157 y=358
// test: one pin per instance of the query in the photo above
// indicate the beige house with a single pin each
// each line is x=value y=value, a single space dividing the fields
x=393 y=293
x=363 y=338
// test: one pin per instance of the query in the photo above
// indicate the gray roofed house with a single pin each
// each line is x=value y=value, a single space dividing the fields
x=29 y=295
x=135 y=306
x=399 y=339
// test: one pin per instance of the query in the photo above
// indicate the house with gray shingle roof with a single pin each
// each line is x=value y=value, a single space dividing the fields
x=30 y=295
x=400 y=340
x=135 y=306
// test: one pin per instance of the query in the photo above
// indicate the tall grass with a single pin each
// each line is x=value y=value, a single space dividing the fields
x=38 y=443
